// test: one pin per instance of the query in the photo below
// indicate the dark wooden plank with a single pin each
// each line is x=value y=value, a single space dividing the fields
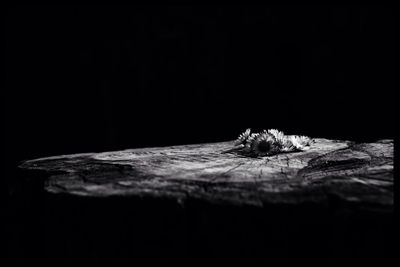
x=360 y=174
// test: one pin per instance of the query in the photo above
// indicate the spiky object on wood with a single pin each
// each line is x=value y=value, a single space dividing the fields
x=269 y=142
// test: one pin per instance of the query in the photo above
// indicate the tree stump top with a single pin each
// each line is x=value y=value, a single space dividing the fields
x=361 y=174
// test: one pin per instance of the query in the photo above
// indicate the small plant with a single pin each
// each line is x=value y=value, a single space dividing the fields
x=269 y=142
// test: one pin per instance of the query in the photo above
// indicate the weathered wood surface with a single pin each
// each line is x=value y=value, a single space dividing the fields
x=353 y=173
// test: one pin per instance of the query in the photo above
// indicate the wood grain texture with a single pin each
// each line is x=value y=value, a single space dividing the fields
x=360 y=174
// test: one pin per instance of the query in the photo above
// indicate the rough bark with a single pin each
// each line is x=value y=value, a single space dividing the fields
x=359 y=174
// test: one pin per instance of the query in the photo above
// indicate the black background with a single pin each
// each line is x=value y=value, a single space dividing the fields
x=97 y=77
x=85 y=78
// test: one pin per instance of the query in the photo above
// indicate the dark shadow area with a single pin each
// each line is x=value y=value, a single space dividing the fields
x=116 y=230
